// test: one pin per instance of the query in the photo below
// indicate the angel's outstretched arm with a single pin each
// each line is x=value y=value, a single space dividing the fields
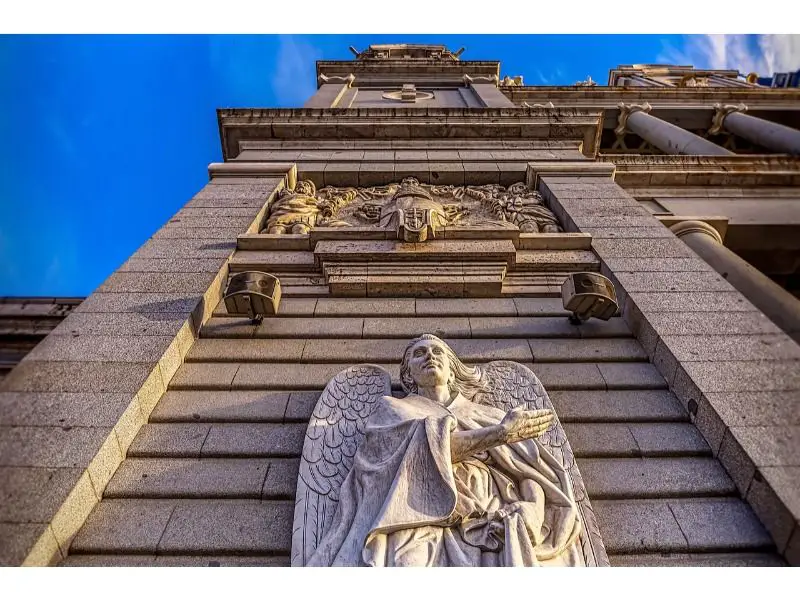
x=518 y=424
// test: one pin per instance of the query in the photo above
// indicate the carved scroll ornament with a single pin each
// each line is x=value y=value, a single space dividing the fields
x=720 y=112
x=470 y=468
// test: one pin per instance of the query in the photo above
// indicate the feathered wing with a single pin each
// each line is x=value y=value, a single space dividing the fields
x=334 y=433
x=513 y=384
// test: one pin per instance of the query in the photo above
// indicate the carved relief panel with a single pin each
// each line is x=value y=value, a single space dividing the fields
x=413 y=209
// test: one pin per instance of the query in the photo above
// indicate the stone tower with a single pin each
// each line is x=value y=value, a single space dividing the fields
x=419 y=192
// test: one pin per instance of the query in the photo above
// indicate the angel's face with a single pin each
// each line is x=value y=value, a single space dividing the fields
x=429 y=364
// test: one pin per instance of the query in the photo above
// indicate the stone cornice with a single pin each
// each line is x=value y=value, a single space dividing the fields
x=737 y=170
x=393 y=70
x=238 y=124
x=610 y=97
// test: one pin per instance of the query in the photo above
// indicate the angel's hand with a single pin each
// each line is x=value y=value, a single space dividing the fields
x=521 y=424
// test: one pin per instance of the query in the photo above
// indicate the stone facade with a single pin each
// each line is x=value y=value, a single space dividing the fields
x=150 y=412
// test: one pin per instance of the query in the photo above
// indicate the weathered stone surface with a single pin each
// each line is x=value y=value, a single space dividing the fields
x=538 y=327
x=586 y=350
x=618 y=405
x=214 y=376
x=711 y=323
x=631 y=375
x=144 y=303
x=300 y=406
x=727 y=376
x=457 y=307
x=254 y=439
x=695 y=302
x=407 y=328
x=606 y=440
x=734 y=559
x=167 y=440
x=532 y=307
x=124 y=526
x=240 y=526
x=42 y=409
x=69 y=447
x=122 y=324
x=100 y=348
x=755 y=408
x=214 y=350
x=18 y=539
x=774 y=496
x=281 y=481
x=669 y=439
x=177 y=407
x=231 y=327
x=357 y=307
x=770 y=446
x=652 y=265
x=704 y=281
x=732 y=347
x=654 y=477
x=724 y=523
x=39 y=376
x=34 y=494
x=188 y=478
x=642 y=248
x=638 y=526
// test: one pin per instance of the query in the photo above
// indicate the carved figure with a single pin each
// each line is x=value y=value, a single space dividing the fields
x=518 y=205
x=299 y=210
x=471 y=468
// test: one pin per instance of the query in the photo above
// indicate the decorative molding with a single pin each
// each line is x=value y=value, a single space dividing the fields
x=686 y=227
x=536 y=170
x=478 y=79
x=720 y=112
x=337 y=79
x=548 y=105
x=243 y=169
x=625 y=111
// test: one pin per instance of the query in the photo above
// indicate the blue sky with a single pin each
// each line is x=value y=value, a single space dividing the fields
x=105 y=137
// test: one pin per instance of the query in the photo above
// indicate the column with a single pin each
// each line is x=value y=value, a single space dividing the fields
x=667 y=137
x=780 y=306
x=759 y=131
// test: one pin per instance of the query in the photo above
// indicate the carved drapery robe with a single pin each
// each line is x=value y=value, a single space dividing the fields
x=405 y=504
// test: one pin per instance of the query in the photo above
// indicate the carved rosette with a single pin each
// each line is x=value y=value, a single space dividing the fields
x=720 y=112
x=625 y=111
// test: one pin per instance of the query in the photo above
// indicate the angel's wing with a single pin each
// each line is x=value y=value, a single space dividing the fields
x=513 y=384
x=334 y=432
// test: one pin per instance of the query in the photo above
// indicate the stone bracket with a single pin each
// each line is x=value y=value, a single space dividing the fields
x=241 y=169
x=567 y=169
x=625 y=111
x=720 y=112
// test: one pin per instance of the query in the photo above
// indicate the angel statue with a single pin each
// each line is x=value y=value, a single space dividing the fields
x=470 y=468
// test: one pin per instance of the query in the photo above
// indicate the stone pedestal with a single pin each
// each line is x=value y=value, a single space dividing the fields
x=770 y=298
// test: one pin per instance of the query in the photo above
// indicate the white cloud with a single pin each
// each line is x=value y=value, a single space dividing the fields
x=295 y=71
x=762 y=54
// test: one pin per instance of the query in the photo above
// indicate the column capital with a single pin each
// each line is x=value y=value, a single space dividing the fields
x=720 y=112
x=686 y=227
x=625 y=111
